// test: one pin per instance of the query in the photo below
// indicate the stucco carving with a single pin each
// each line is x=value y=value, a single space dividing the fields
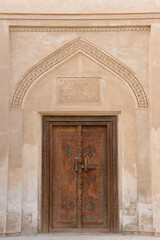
x=78 y=29
x=79 y=90
x=91 y=51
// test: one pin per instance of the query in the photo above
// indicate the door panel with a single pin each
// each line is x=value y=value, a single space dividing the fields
x=94 y=181
x=64 y=178
x=79 y=174
x=79 y=204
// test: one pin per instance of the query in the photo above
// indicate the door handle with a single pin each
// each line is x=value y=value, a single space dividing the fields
x=76 y=164
x=92 y=166
x=89 y=166
x=85 y=164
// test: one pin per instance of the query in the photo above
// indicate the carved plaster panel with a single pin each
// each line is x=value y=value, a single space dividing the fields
x=78 y=29
x=79 y=90
x=87 y=48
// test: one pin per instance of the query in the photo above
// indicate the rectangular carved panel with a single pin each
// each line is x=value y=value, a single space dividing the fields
x=79 y=90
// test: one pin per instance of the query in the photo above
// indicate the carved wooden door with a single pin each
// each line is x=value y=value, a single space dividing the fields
x=79 y=191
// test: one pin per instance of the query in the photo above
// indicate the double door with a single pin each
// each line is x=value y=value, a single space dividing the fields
x=79 y=174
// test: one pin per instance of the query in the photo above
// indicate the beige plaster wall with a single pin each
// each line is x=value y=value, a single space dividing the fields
x=15 y=173
x=115 y=97
x=80 y=6
x=4 y=121
x=138 y=129
x=155 y=122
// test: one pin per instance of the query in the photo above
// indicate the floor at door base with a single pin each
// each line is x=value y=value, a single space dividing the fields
x=75 y=236
x=69 y=230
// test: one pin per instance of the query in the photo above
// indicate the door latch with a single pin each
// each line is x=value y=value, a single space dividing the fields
x=76 y=164
x=86 y=166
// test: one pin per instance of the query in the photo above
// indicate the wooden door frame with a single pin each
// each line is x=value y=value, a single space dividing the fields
x=47 y=122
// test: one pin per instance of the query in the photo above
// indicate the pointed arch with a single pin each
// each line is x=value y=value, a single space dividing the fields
x=92 y=51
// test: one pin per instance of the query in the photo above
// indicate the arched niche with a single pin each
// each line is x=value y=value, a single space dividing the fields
x=92 y=51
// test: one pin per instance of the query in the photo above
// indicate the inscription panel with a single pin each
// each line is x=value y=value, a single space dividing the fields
x=79 y=90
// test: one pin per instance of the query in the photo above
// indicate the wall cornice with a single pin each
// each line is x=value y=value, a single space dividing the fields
x=86 y=16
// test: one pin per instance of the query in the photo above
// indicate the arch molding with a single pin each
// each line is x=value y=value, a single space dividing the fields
x=93 y=52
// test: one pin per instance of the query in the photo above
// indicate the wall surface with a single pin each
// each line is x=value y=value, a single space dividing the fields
x=79 y=64
x=79 y=6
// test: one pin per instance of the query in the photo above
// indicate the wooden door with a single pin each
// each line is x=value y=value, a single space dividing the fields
x=79 y=181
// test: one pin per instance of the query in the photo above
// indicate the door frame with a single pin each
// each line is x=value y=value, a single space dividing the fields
x=47 y=122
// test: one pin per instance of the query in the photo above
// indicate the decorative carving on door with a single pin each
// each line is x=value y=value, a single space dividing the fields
x=79 y=174
x=90 y=204
x=69 y=150
x=68 y=203
x=89 y=150
x=90 y=177
x=70 y=176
